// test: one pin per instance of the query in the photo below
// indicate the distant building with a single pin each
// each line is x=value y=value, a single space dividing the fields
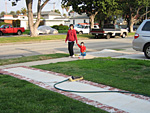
x=51 y=18
x=75 y=18
x=48 y=18
x=16 y=20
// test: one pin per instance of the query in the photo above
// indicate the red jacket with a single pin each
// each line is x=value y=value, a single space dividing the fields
x=82 y=48
x=71 y=36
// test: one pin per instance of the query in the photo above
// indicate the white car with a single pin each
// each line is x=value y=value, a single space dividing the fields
x=46 y=30
x=141 y=40
x=82 y=29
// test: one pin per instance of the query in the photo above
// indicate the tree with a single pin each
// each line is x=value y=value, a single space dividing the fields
x=18 y=12
x=12 y=13
x=34 y=25
x=63 y=7
x=23 y=11
x=110 y=16
x=67 y=9
x=57 y=11
x=90 y=7
x=3 y=13
x=132 y=10
x=64 y=15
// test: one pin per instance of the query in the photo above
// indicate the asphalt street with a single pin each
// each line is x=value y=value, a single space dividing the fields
x=59 y=46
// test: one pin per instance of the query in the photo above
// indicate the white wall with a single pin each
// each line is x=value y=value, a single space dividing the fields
x=24 y=23
x=53 y=22
x=52 y=17
x=76 y=21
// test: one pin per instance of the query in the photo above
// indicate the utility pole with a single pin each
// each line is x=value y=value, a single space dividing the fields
x=6 y=6
x=54 y=6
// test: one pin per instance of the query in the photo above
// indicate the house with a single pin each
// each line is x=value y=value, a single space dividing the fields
x=76 y=18
x=50 y=18
x=16 y=20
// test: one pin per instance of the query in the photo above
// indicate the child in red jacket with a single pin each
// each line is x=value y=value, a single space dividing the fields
x=82 y=50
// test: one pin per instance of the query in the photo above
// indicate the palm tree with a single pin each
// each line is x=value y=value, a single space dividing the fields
x=24 y=11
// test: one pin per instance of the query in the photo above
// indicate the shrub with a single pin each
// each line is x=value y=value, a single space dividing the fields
x=63 y=27
x=55 y=27
x=3 y=23
x=60 y=27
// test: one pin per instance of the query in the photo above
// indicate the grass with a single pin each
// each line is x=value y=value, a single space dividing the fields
x=26 y=32
x=38 y=38
x=126 y=74
x=30 y=39
x=31 y=58
x=131 y=34
x=62 y=31
x=19 y=96
x=118 y=49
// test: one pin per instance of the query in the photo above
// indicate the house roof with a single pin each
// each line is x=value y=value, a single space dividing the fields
x=83 y=16
x=49 y=13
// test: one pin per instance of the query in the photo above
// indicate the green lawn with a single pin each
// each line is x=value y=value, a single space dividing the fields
x=131 y=34
x=44 y=37
x=19 y=96
x=39 y=38
x=26 y=32
x=31 y=58
x=126 y=74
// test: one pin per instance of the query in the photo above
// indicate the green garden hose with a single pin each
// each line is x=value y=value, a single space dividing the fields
x=55 y=86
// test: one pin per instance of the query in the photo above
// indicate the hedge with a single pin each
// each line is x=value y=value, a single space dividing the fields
x=60 y=27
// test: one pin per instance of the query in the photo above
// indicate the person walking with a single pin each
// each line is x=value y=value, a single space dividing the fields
x=71 y=38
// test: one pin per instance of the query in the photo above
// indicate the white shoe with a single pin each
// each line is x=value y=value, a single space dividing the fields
x=73 y=56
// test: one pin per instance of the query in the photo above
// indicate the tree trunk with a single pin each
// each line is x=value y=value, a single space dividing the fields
x=92 y=21
x=33 y=26
x=131 y=23
x=33 y=31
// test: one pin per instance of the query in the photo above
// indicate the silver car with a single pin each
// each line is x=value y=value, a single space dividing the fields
x=141 y=40
x=46 y=30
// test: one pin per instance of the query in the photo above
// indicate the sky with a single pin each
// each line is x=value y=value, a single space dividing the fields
x=22 y=4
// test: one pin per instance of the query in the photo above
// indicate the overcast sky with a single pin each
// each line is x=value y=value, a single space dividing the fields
x=22 y=4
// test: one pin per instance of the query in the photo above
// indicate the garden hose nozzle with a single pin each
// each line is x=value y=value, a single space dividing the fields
x=72 y=78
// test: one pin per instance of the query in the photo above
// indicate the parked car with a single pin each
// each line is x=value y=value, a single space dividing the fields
x=46 y=30
x=141 y=40
x=82 y=29
x=6 y=29
x=110 y=30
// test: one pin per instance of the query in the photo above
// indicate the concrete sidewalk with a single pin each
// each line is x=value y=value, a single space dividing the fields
x=111 y=102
